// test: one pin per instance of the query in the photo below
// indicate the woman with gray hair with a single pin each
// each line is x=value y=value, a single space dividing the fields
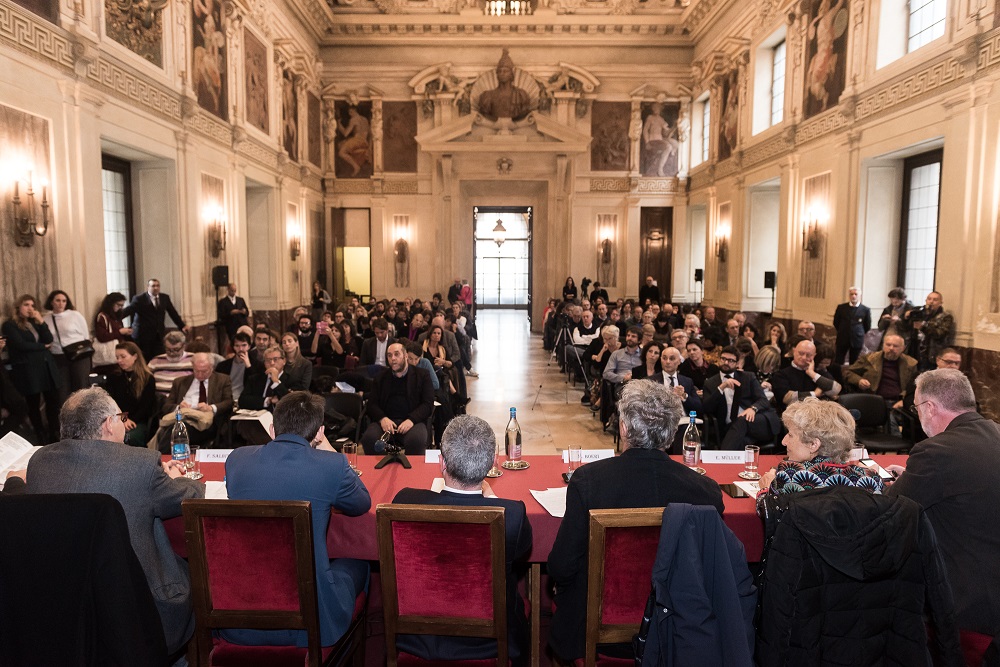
x=819 y=440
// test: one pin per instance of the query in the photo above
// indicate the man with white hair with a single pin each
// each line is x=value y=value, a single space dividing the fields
x=468 y=447
x=91 y=457
x=852 y=320
x=953 y=475
x=205 y=391
x=643 y=476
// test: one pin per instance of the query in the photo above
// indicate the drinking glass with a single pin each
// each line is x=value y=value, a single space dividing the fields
x=750 y=461
x=350 y=450
x=575 y=457
x=193 y=465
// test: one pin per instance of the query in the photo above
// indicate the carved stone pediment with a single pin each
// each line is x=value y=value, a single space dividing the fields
x=537 y=133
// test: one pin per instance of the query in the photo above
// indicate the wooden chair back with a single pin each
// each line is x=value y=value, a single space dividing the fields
x=616 y=596
x=443 y=572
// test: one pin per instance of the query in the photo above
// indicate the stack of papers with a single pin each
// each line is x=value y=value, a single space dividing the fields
x=553 y=500
x=216 y=491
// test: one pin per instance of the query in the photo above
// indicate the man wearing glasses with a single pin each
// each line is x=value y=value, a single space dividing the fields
x=952 y=475
x=92 y=458
x=737 y=402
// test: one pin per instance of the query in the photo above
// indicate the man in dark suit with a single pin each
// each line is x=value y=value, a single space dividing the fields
x=643 y=476
x=649 y=292
x=205 y=391
x=262 y=391
x=802 y=379
x=952 y=475
x=92 y=458
x=300 y=464
x=852 y=320
x=737 y=402
x=400 y=404
x=682 y=386
x=467 y=451
x=148 y=310
x=232 y=311
x=373 y=349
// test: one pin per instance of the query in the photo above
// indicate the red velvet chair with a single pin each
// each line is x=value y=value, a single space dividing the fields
x=974 y=647
x=252 y=567
x=442 y=573
x=616 y=596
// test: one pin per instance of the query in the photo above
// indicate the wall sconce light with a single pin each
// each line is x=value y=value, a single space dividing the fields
x=216 y=230
x=499 y=233
x=295 y=242
x=722 y=243
x=812 y=233
x=26 y=219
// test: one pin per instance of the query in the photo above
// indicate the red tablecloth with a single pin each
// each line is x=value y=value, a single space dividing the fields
x=354 y=537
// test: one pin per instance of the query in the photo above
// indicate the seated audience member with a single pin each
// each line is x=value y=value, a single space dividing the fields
x=350 y=340
x=768 y=361
x=468 y=447
x=776 y=335
x=802 y=379
x=263 y=338
x=736 y=401
x=648 y=334
x=300 y=464
x=417 y=326
x=824 y=363
x=624 y=360
x=134 y=390
x=886 y=373
x=643 y=476
x=807 y=330
x=585 y=330
x=731 y=333
x=172 y=364
x=296 y=317
x=679 y=339
x=304 y=335
x=241 y=366
x=415 y=357
x=450 y=343
x=946 y=358
x=746 y=351
x=819 y=440
x=400 y=404
x=373 y=349
x=92 y=458
x=298 y=369
x=681 y=386
x=952 y=475
x=750 y=332
x=649 y=367
x=205 y=391
x=263 y=391
x=326 y=345
x=696 y=366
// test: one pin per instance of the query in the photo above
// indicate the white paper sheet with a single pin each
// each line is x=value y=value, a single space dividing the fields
x=216 y=491
x=14 y=454
x=553 y=500
x=437 y=484
x=753 y=488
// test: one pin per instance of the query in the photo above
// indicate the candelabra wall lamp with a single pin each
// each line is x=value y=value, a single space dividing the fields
x=28 y=223
x=295 y=242
x=499 y=233
x=216 y=230
x=812 y=234
x=722 y=244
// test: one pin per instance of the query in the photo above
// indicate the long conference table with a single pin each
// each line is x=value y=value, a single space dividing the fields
x=355 y=537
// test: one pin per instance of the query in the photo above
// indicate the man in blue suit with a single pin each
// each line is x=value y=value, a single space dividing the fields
x=300 y=464
x=467 y=450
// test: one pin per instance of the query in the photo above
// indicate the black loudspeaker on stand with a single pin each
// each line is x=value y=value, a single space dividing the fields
x=770 y=282
x=220 y=276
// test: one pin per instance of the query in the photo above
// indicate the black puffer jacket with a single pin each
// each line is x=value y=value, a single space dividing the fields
x=849 y=579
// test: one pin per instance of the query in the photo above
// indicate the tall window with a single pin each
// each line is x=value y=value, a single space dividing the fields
x=778 y=84
x=118 y=254
x=926 y=22
x=919 y=229
x=706 y=127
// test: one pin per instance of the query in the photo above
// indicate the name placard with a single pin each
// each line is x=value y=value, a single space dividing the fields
x=715 y=456
x=214 y=455
x=432 y=456
x=591 y=455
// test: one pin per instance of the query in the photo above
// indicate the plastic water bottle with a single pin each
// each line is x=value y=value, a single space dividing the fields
x=180 y=449
x=692 y=443
x=513 y=435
